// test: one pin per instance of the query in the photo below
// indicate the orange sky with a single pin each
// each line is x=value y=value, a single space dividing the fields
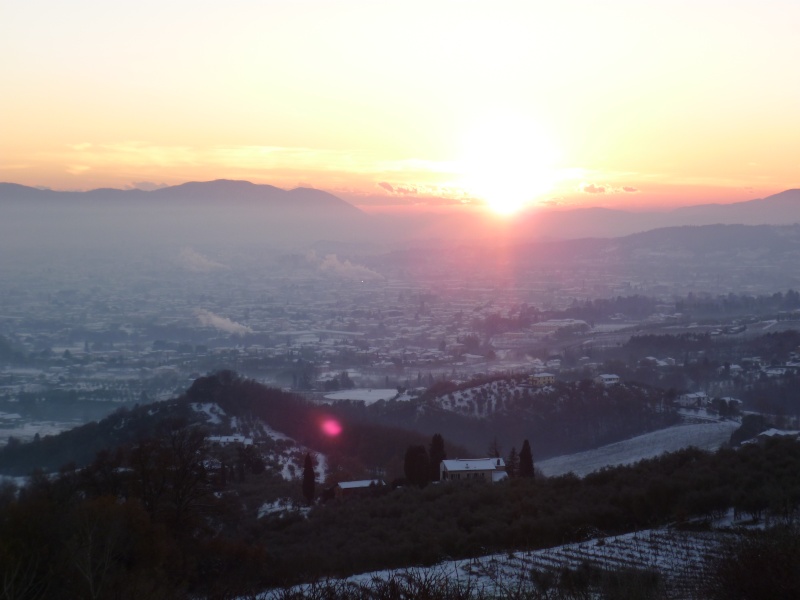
x=408 y=105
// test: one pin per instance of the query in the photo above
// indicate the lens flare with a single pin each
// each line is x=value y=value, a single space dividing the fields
x=331 y=427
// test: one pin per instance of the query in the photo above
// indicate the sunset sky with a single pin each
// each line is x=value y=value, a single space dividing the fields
x=393 y=105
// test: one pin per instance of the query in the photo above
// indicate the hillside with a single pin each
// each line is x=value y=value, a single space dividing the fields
x=706 y=436
x=675 y=563
x=676 y=256
x=280 y=426
x=177 y=516
x=782 y=208
x=218 y=212
x=235 y=208
x=557 y=419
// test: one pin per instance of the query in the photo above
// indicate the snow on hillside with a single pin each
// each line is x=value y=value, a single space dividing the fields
x=367 y=396
x=25 y=431
x=282 y=506
x=280 y=452
x=212 y=411
x=706 y=436
x=485 y=399
x=677 y=556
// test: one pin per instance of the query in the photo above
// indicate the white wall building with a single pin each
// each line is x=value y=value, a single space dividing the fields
x=486 y=469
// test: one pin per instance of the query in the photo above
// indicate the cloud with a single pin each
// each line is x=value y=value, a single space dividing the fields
x=259 y=158
x=551 y=202
x=604 y=188
x=196 y=262
x=401 y=189
x=591 y=188
x=416 y=193
x=343 y=268
x=209 y=319
x=407 y=191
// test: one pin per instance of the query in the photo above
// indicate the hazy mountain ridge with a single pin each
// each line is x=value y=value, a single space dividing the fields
x=661 y=254
x=217 y=191
x=217 y=212
x=779 y=209
x=308 y=204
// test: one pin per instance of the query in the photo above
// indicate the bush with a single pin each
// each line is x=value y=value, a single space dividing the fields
x=758 y=566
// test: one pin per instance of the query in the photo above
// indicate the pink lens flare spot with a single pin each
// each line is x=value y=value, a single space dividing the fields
x=331 y=427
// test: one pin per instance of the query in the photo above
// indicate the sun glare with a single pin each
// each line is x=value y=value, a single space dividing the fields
x=331 y=427
x=507 y=162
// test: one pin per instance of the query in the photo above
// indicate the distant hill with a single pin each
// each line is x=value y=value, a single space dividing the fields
x=778 y=209
x=226 y=210
x=215 y=402
x=195 y=193
x=738 y=253
x=221 y=211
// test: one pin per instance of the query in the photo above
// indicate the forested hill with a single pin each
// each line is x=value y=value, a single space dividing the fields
x=557 y=419
x=215 y=403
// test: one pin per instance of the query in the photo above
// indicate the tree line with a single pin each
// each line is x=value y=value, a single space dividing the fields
x=164 y=517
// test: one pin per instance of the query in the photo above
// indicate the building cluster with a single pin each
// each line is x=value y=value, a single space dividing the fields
x=95 y=336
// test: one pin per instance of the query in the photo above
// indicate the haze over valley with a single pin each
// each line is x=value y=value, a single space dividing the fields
x=124 y=297
x=365 y=301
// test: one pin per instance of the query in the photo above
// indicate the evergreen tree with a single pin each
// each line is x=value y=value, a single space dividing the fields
x=309 y=478
x=345 y=382
x=495 y=450
x=512 y=463
x=436 y=455
x=526 y=460
x=417 y=465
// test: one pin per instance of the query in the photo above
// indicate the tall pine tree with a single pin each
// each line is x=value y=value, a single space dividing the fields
x=512 y=463
x=309 y=479
x=526 y=460
x=436 y=455
x=495 y=449
x=417 y=466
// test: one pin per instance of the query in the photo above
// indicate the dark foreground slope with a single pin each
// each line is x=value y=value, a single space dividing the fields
x=157 y=521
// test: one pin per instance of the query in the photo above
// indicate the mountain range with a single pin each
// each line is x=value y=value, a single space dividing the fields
x=225 y=210
x=779 y=209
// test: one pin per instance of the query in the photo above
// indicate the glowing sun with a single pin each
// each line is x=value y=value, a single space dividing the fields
x=507 y=162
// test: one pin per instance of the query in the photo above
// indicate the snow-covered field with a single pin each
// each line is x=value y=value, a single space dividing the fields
x=706 y=436
x=368 y=396
x=677 y=556
x=26 y=431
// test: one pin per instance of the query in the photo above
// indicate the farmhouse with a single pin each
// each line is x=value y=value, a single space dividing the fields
x=540 y=379
x=345 y=489
x=487 y=469
x=692 y=399
x=607 y=379
x=224 y=440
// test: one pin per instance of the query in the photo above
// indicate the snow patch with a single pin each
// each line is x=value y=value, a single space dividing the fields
x=212 y=411
x=367 y=396
x=706 y=436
